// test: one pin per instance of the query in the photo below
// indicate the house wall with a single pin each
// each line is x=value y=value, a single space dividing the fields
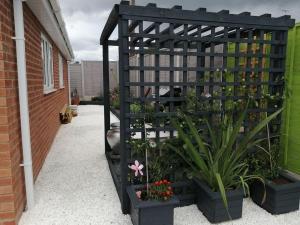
x=44 y=110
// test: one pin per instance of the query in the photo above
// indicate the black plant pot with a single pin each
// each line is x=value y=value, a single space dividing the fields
x=280 y=198
x=151 y=212
x=212 y=206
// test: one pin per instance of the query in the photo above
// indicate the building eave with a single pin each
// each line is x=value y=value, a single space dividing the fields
x=49 y=15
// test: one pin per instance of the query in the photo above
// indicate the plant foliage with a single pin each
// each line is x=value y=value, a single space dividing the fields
x=219 y=158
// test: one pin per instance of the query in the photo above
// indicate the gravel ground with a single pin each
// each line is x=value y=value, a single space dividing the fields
x=75 y=186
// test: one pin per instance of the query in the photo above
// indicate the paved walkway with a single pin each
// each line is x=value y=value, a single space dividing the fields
x=75 y=186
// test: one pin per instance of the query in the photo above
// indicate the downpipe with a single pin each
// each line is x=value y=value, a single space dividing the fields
x=23 y=101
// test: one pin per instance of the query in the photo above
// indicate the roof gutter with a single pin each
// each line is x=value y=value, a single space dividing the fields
x=23 y=101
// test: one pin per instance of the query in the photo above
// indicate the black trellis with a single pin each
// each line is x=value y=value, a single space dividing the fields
x=227 y=58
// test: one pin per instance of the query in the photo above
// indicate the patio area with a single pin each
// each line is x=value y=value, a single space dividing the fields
x=75 y=185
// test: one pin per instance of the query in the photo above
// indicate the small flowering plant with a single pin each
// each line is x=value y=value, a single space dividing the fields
x=159 y=190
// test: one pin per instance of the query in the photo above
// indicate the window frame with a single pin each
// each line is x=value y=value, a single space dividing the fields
x=61 y=70
x=47 y=64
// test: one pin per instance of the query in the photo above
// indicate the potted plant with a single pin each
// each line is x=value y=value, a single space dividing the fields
x=282 y=194
x=282 y=190
x=219 y=166
x=150 y=204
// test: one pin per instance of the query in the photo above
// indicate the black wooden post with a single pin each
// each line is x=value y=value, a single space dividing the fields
x=106 y=93
x=124 y=110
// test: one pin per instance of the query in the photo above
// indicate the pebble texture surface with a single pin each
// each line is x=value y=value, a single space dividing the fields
x=75 y=186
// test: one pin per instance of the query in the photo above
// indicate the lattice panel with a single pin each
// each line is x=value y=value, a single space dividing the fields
x=224 y=66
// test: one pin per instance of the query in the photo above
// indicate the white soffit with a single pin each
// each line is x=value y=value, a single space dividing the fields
x=49 y=15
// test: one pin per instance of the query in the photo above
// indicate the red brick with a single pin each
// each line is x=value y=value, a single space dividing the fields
x=2 y=101
x=7 y=215
x=3 y=120
x=2 y=90
x=3 y=111
x=7 y=198
x=4 y=155
x=9 y=223
x=5 y=172
x=6 y=189
x=7 y=206
x=4 y=147
x=4 y=137
x=5 y=181
x=4 y=129
x=4 y=163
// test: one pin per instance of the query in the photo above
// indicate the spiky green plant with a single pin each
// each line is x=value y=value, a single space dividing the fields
x=221 y=161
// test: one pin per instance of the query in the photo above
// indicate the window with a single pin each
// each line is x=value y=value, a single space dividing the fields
x=61 y=70
x=47 y=64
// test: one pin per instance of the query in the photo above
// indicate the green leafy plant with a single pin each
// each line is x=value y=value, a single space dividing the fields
x=149 y=110
x=115 y=98
x=221 y=161
x=139 y=147
x=265 y=161
x=135 y=108
x=165 y=164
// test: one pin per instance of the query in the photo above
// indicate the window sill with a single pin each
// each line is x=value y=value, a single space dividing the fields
x=49 y=91
x=62 y=87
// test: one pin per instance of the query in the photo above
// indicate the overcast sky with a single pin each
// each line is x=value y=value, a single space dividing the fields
x=85 y=18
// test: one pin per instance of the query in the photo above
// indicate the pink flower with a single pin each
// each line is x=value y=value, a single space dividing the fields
x=139 y=194
x=137 y=167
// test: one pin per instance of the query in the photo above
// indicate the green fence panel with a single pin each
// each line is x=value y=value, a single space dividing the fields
x=291 y=129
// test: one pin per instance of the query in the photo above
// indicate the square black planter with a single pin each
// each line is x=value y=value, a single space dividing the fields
x=211 y=204
x=151 y=212
x=280 y=198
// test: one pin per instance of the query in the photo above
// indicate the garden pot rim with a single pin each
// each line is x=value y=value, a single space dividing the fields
x=294 y=182
x=150 y=203
x=217 y=195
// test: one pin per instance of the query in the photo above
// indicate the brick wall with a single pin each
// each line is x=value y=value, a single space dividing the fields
x=44 y=110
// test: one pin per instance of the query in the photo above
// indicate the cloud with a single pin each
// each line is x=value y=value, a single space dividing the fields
x=85 y=19
x=87 y=6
